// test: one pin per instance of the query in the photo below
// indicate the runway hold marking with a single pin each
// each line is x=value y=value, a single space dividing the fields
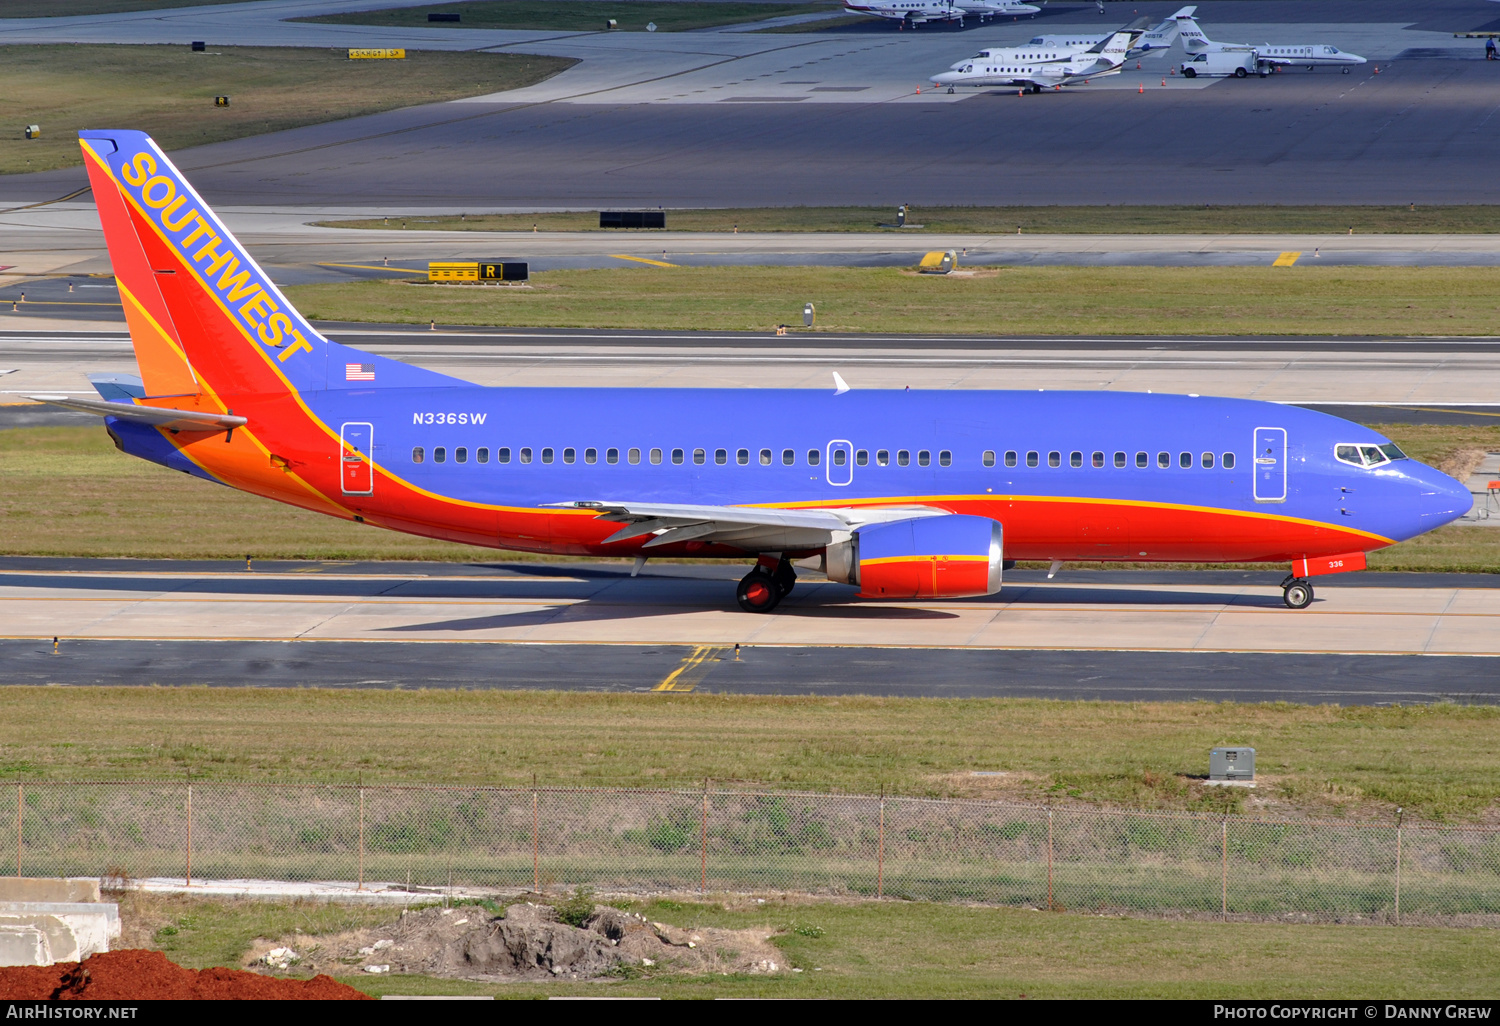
x=1286 y=259
x=641 y=260
x=693 y=669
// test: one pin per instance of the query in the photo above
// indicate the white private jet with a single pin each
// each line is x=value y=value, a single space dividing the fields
x=916 y=12
x=1308 y=55
x=1034 y=76
x=1063 y=45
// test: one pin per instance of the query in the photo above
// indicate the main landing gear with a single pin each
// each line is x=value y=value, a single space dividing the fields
x=762 y=589
x=1296 y=592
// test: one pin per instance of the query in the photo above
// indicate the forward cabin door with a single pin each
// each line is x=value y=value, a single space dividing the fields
x=1270 y=464
x=840 y=469
x=357 y=474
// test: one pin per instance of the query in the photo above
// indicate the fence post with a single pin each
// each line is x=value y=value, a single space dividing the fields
x=1400 y=818
x=703 y=844
x=536 y=865
x=880 y=851
x=361 y=840
x=1224 y=870
x=1050 y=904
x=20 y=805
x=188 y=881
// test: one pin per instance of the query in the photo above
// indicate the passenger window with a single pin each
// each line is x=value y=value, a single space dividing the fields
x=1119 y=459
x=1098 y=459
x=570 y=455
x=840 y=457
x=923 y=457
x=1208 y=461
x=634 y=456
x=988 y=459
x=883 y=457
x=814 y=457
x=482 y=455
x=1033 y=458
x=417 y=455
x=678 y=456
x=1054 y=459
x=1185 y=460
x=502 y=455
x=1075 y=458
x=439 y=455
x=547 y=455
x=789 y=457
x=1142 y=460
x=526 y=455
x=1226 y=460
x=742 y=457
x=862 y=458
x=460 y=455
x=765 y=457
x=1164 y=460
x=655 y=457
x=1010 y=457
x=699 y=456
x=721 y=456
x=611 y=456
x=945 y=458
x=903 y=458
x=591 y=455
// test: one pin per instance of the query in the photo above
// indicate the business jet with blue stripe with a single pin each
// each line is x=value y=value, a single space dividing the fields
x=1308 y=55
x=901 y=494
x=1042 y=73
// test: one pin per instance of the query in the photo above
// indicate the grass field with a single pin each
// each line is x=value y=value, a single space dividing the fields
x=1183 y=220
x=920 y=950
x=578 y=15
x=169 y=91
x=74 y=8
x=69 y=492
x=1360 y=762
x=1009 y=300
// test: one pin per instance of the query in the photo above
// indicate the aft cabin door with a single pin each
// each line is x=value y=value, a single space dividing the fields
x=1270 y=464
x=354 y=462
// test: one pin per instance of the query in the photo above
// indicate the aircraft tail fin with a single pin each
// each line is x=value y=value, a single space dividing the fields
x=204 y=317
x=1193 y=38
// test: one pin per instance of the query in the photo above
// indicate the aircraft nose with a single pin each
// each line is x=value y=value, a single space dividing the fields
x=1442 y=499
x=945 y=78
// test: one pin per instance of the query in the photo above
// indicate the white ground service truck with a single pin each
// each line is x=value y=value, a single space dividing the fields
x=1222 y=63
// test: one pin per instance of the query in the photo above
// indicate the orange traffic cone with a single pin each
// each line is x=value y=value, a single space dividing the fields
x=1143 y=87
x=1163 y=81
x=919 y=90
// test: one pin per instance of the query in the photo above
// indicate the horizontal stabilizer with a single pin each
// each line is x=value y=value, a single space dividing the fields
x=156 y=416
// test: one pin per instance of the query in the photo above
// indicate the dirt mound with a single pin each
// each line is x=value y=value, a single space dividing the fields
x=134 y=975
x=526 y=941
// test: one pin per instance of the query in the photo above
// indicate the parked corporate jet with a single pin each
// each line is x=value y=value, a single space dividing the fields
x=1064 y=45
x=904 y=494
x=1038 y=74
x=1308 y=55
x=916 y=12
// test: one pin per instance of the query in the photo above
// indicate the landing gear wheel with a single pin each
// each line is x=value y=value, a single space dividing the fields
x=1346 y=71
x=950 y=90
x=785 y=578
x=757 y=592
x=1297 y=594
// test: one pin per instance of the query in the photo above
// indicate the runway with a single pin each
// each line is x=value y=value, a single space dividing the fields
x=1370 y=639
x=731 y=118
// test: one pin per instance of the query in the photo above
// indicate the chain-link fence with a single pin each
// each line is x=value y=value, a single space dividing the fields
x=713 y=840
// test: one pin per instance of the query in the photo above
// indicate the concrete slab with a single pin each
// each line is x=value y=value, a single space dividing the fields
x=70 y=889
x=23 y=944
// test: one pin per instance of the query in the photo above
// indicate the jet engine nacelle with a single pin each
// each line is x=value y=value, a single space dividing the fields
x=947 y=556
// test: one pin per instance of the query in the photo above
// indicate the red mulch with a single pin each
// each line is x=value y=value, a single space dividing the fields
x=135 y=975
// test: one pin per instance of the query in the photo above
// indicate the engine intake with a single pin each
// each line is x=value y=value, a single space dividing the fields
x=948 y=556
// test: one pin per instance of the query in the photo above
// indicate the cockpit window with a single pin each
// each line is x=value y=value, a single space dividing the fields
x=1368 y=455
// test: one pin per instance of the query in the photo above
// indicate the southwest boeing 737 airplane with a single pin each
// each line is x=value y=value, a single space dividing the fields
x=903 y=494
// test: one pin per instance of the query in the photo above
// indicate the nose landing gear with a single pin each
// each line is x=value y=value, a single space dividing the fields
x=1296 y=592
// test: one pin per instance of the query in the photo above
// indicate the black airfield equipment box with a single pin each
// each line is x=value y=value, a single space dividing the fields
x=632 y=219
x=445 y=16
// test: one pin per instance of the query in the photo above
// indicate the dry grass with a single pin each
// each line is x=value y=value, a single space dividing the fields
x=169 y=91
x=1125 y=220
x=1039 y=300
x=1360 y=762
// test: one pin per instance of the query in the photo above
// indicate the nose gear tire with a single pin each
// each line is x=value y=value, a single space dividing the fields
x=1297 y=595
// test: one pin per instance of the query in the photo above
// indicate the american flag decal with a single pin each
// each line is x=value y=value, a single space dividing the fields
x=359 y=372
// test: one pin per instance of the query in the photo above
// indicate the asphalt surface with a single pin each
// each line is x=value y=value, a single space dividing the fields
x=944 y=673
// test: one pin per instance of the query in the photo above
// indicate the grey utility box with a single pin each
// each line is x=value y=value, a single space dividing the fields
x=1231 y=765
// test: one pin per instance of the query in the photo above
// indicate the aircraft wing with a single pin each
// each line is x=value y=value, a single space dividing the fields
x=749 y=527
x=189 y=420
